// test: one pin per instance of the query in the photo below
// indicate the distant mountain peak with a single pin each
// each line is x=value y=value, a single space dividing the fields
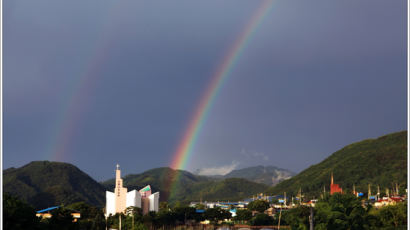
x=266 y=174
x=269 y=175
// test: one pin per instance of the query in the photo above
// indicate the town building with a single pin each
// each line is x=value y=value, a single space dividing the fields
x=334 y=188
x=393 y=200
x=120 y=199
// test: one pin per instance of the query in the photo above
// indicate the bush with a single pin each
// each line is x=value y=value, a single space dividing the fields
x=262 y=219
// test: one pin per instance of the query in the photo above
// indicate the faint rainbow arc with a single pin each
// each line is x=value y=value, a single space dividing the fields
x=184 y=149
x=74 y=105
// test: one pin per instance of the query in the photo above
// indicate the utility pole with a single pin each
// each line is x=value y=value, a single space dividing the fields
x=106 y=223
x=369 y=192
x=132 y=218
x=311 y=218
x=378 y=192
x=280 y=215
x=120 y=221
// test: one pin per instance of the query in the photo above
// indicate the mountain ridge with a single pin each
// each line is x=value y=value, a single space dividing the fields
x=37 y=184
x=379 y=161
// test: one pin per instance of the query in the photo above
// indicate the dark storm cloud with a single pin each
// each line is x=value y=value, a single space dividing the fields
x=315 y=76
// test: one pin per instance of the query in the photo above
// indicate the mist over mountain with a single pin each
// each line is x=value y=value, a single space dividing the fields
x=269 y=175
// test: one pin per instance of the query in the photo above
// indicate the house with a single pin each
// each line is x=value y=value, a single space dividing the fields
x=46 y=213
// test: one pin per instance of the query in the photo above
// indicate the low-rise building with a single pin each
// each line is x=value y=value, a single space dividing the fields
x=46 y=213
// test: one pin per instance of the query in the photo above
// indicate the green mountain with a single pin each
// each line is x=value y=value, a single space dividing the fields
x=189 y=187
x=43 y=184
x=269 y=175
x=381 y=161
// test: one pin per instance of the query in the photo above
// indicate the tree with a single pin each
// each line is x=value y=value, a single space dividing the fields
x=185 y=213
x=200 y=206
x=87 y=211
x=216 y=214
x=149 y=219
x=262 y=219
x=164 y=206
x=91 y=217
x=296 y=218
x=61 y=218
x=258 y=205
x=394 y=215
x=17 y=214
x=98 y=222
x=165 y=218
x=243 y=215
x=340 y=211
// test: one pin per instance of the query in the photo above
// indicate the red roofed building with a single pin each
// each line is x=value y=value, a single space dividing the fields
x=334 y=187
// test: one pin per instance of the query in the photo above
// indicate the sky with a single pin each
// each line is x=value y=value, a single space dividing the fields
x=96 y=83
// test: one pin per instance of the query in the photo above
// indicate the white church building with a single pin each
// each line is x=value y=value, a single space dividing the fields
x=120 y=199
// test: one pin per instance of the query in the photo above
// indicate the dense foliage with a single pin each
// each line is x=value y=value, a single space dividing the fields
x=17 y=214
x=381 y=161
x=258 y=205
x=243 y=215
x=339 y=211
x=261 y=219
x=296 y=218
x=346 y=212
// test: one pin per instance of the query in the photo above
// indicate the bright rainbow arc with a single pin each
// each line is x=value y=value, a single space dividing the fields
x=184 y=150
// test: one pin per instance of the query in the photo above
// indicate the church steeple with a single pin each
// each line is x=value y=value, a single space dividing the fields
x=331 y=178
x=120 y=192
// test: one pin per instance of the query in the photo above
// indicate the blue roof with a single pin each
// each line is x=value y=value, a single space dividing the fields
x=229 y=203
x=200 y=211
x=48 y=209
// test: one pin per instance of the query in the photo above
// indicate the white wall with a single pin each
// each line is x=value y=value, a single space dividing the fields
x=154 y=202
x=110 y=203
x=133 y=199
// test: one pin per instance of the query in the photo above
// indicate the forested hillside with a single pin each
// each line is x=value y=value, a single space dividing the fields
x=381 y=161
